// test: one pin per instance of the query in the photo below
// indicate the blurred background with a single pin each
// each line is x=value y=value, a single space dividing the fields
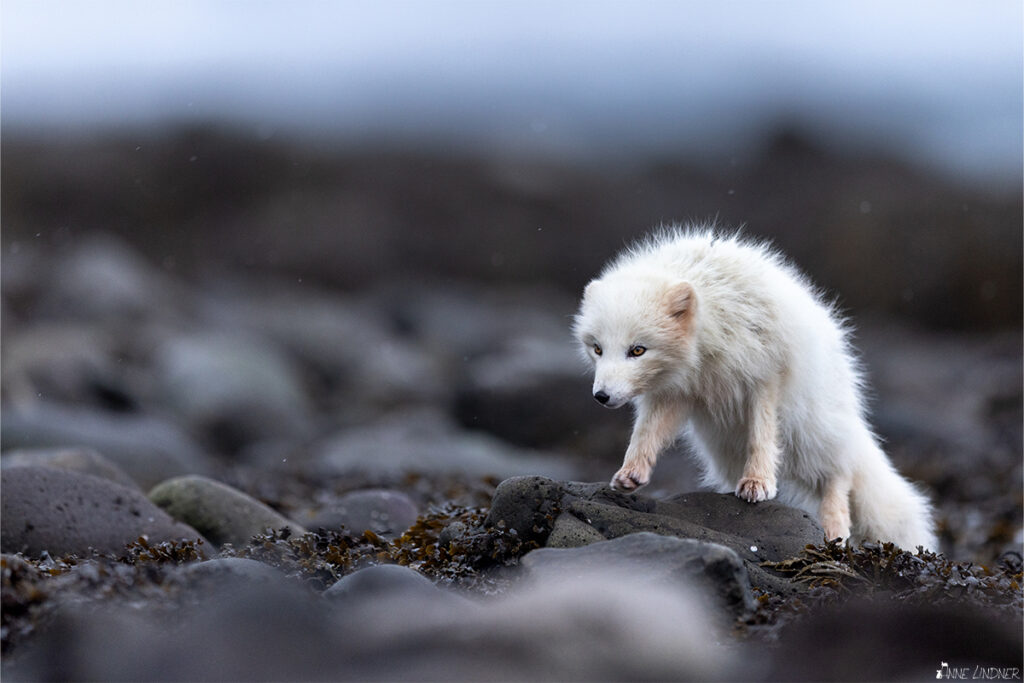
x=269 y=225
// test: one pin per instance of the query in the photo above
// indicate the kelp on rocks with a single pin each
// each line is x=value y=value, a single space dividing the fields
x=449 y=544
x=835 y=571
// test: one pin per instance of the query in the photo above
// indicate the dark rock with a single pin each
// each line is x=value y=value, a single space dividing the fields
x=82 y=460
x=577 y=629
x=223 y=514
x=147 y=448
x=529 y=505
x=647 y=557
x=766 y=531
x=777 y=531
x=452 y=532
x=386 y=513
x=426 y=441
x=381 y=578
x=60 y=511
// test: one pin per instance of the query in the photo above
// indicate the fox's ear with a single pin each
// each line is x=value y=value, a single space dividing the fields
x=681 y=301
x=589 y=289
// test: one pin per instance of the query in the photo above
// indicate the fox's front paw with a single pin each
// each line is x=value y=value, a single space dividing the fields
x=835 y=531
x=631 y=477
x=754 y=490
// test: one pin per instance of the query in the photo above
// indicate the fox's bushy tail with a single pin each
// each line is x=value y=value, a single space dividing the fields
x=886 y=507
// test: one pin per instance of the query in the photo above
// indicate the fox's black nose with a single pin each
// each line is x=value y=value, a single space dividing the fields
x=601 y=397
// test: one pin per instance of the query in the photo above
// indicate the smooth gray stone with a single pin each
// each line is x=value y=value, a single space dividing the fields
x=61 y=512
x=224 y=514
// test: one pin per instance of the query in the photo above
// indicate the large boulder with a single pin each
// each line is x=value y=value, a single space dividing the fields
x=571 y=514
x=393 y=626
x=60 y=512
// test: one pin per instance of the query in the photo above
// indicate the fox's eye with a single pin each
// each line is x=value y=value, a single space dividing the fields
x=637 y=351
x=597 y=349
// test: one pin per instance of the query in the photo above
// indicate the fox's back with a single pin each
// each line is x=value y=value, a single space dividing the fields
x=760 y=318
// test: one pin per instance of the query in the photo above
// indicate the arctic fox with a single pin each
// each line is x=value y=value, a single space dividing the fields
x=691 y=326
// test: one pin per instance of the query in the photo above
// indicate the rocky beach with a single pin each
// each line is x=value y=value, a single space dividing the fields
x=279 y=413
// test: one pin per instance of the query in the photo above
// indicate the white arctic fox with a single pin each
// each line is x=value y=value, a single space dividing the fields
x=693 y=326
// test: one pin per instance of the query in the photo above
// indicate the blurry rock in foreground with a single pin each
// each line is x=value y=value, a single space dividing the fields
x=647 y=558
x=875 y=641
x=590 y=629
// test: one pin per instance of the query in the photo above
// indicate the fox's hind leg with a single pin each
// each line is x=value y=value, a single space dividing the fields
x=834 y=511
x=760 y=473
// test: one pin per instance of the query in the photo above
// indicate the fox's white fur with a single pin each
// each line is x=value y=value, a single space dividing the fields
x=705 y=329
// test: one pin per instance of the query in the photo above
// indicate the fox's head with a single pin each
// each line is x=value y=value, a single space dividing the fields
x=639 y=333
